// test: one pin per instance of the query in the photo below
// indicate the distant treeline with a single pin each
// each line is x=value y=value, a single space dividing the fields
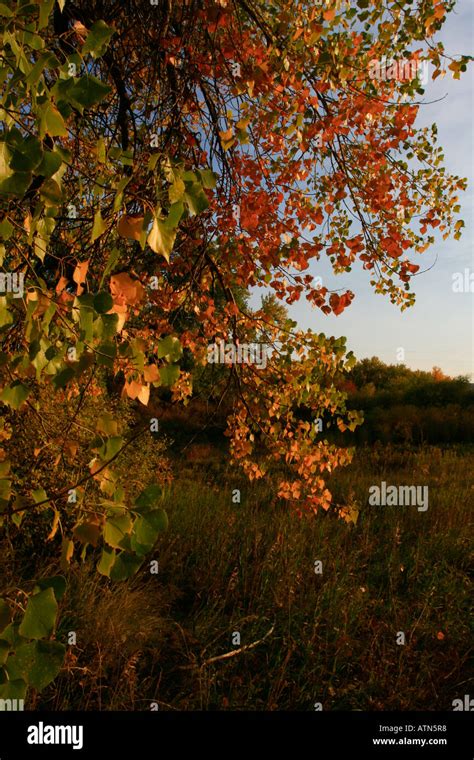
x=405 y=406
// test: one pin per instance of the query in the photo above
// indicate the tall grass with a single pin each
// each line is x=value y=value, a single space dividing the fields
x=249 y=568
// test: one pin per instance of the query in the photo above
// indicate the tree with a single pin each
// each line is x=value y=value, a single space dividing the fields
x=158 y=158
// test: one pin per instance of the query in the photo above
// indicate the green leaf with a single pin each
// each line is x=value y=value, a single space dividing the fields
x=148 y=499
x=56 y=582
x=15 y=394
x=39 y=494
x=11 y=635
x=51 y=193
x=103 y=302
x=106 y=562
x=146 y=530
x=169 y=374
x=5 y=614
x=116 y=528
x=208 y=178
x=13 y=690
x=111 y=447
x=45 y=10
x=37 y=663
x=109 y=322
x=97 y=39
x=46 y=59
x=119 y=190
x=40 y=615
x=107 y=424
x=161 y=238
x=106 y=353
x=196 y=199
x=87 y=533
x=125 y=566
x=63 y=377
x=176 y=190
x=50 y=164
x=111 y=261
x=88 y=91
x=170 y=348
x=5 y=158
x=67 y=549
x=16 y=184
x=5 y=316
x=28 y=156
x=5 y=11
x=174 y=215
x=6 y=229
x=4 y=651
x=44 y=230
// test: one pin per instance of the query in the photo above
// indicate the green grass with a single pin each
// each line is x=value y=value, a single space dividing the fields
x=249 y=568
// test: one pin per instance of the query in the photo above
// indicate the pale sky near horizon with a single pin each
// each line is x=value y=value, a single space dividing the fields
x=438 y=329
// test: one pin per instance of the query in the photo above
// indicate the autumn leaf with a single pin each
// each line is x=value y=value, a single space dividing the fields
x=151 y=373
x=54 y=527
x=126 y=290
x=79 y=275
x=161 y=238
x=130 y=227
x=227 y=138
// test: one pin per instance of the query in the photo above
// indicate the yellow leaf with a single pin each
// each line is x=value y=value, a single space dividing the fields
x=79 y=275
x=176 y=190
x=98 y=227
x=227 y=138
x=67 y=550
x=227 y=135
x=242 y=123
x=55 y=526
x=144 y=394
x=161 y=238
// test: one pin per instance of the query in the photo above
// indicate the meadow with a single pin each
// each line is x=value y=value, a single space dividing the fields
x=308 y=640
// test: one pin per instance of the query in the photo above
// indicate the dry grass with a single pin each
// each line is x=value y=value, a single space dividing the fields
x=250 y=567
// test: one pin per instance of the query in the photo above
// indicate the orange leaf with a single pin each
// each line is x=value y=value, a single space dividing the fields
x=62 y=282
x=151 y=373
x=125 y=290
x=130 y=227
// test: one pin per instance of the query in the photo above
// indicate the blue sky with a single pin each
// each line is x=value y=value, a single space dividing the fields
x=438 y=329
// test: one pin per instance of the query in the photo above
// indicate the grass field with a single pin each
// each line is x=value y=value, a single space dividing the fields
x=249 y=568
